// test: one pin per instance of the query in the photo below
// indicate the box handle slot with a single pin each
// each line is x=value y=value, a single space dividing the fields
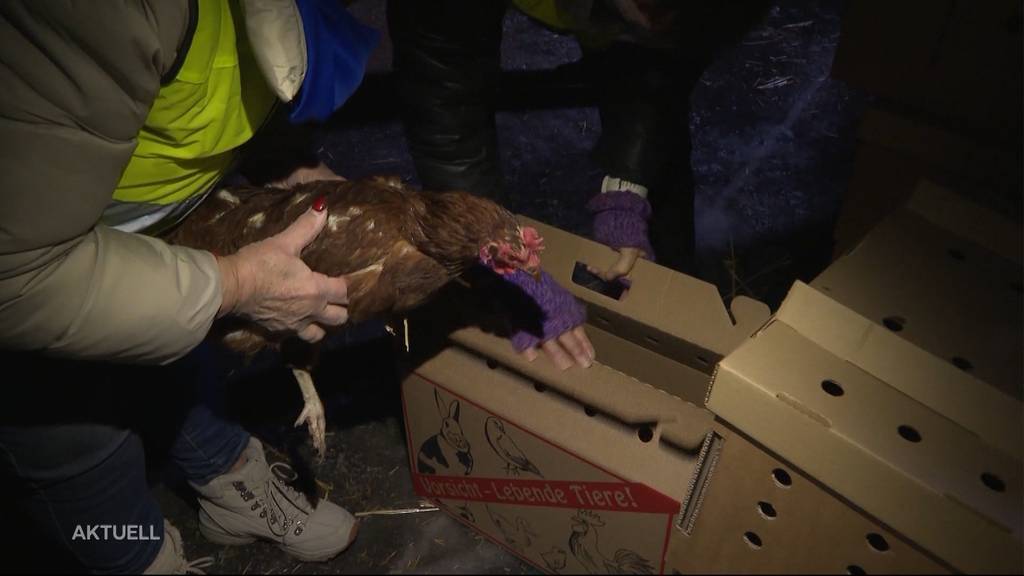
x=581 y=276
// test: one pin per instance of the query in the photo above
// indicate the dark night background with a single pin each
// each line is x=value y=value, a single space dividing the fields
x=774 y=148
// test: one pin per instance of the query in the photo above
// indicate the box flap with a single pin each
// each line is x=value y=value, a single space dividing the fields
x=931 y=380
x=976 y=224
x=930 y=313
x=604 y=389
x=902 y=462
x=689 y=383
x=670 y=313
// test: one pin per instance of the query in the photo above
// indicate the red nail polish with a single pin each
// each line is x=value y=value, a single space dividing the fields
x=320 y=204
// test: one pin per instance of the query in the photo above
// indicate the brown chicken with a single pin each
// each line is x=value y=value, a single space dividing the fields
x=396 y=245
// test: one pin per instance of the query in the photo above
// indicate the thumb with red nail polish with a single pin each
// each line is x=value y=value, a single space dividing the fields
x=320 y=204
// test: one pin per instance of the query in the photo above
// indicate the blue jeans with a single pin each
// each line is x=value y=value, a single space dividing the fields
x=72 y=450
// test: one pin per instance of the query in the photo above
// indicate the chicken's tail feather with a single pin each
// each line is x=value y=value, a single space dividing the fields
x=629 y=562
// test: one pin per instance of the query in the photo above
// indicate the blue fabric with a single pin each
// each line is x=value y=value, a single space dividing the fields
x=337 y=49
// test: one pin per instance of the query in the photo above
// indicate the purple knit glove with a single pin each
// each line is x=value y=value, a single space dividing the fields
x=620 y=221
x=562 y=312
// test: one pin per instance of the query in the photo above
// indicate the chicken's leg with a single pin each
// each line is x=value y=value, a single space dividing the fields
x=313 y=413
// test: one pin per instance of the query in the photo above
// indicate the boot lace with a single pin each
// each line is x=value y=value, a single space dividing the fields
x=278 y=520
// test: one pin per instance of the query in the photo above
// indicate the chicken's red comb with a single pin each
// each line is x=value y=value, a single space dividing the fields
x=532 y=239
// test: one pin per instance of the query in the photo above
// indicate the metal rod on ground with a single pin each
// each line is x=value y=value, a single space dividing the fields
x=397 y=511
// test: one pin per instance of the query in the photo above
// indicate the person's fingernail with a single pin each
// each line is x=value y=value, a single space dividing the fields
x=320 y=204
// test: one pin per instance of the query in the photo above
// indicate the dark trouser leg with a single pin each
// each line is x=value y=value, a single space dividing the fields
x=68 y=464
x=207 y=443
x=644 y=102
x=71 y=454
x=447 y=62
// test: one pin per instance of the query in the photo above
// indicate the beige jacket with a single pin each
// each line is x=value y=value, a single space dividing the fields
x=76 y=83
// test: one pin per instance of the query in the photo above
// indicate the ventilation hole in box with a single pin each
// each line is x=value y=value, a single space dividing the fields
x=894 y=323
x=703 y=361
x=589 y=411
x=878 y=542
x=652 y=340
x=993 y=482
x=752 y=540
x=492 y=364
x=963 y=363
x=826 y=289
x=955 y=254
x=909 y=433
x=782 y=478
x=645 y=433
x=603 y=319
x=832 y=388
x=854 y=569
x=539 y=387
x=767 y=510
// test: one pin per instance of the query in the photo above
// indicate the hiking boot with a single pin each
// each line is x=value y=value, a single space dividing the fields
x=252 y=503
x=171 y=557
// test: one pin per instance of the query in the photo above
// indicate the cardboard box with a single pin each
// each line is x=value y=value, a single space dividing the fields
x=669 y=329
x=930 y=303
x=760 y=515
x=895 y=381
x=576 y=471
x=592 y=471
x=601 y=471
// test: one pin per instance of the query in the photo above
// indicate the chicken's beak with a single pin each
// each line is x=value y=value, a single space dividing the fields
x=535 y=272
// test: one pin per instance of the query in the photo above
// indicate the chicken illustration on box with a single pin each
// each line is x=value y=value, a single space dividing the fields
x=586 y=548
x=505 y=447
x=440 y=453
x=396 y=245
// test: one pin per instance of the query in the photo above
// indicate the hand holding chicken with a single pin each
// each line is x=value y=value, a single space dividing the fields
x=368 y=248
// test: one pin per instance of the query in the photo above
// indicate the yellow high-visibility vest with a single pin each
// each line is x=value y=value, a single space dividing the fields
x=546 y=12
x=214 y=104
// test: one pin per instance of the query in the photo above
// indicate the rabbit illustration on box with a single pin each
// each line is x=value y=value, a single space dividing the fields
x=447 y=451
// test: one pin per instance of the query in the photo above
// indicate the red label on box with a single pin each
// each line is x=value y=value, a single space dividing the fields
x=615 y=496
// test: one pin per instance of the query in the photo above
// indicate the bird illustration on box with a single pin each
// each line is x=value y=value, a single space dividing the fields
x=516 y=461
x=554 y=559
x=519 y=535
x=583 y=542
x=396 y=245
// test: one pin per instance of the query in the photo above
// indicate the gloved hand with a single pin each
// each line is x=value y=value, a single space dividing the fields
x=621 y=222
x=562 y=338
